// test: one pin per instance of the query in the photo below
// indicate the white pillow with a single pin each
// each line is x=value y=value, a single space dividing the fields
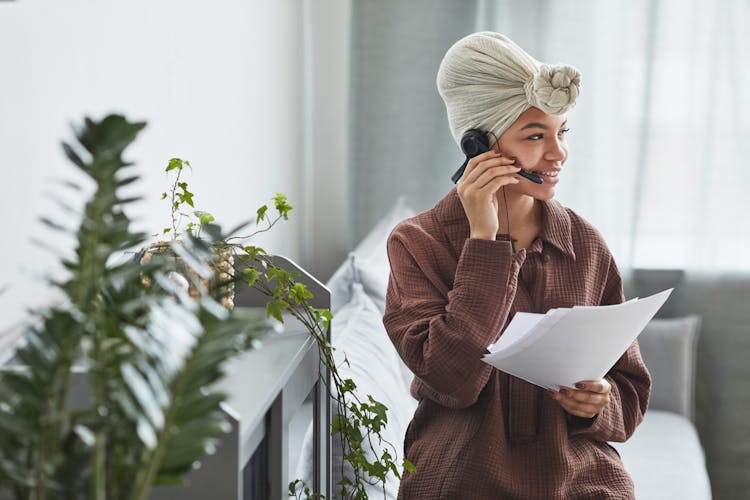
x=375 y=367
x=373 y=275
x=359 y=335
x=340 y=284
x=368 y=262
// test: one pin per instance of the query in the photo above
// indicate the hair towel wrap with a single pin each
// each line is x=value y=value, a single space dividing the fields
x=487 y=81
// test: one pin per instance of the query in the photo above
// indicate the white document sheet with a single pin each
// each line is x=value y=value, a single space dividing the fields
x=568 y=345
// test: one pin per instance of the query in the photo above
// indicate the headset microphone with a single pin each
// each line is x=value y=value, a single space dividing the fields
x=475 y=142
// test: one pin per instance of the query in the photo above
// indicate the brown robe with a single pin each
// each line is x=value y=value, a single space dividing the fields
x=479 y=433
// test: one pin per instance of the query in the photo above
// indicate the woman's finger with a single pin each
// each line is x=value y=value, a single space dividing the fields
x=575 y=407
x=495 y=184
x=493 y=172
x=476 y=169
x=601 y=386
x=573 y=397
x=586 y=396
x=581 y=404
x=473 y=162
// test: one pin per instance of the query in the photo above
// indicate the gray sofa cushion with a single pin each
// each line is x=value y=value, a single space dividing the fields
x=668 y=348
x=665 y=459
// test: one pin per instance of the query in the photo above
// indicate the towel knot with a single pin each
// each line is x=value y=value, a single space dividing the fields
x=553 y=89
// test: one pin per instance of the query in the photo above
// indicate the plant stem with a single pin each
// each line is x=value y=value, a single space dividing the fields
x=270 y=225
x=41 y=477
x=86 y=298
x=100 y=443
x=172 y=206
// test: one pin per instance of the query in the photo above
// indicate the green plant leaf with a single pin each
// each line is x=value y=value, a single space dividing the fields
x=408 y=466
x=144 y=395
x=299 y=293
x=281 y=275
x=126 y=181
x=274 y=309
x=186 y=197
x=261 y=213
x=147 y=433
x=282 y=206
x=348 y=385
x=250 y=275
x=193 y=417
x=204 y=217
x=174 y=164
x=73 y=156
x=322 y=317
x=253 y=251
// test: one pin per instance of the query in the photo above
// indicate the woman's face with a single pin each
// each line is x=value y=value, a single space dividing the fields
x=537 y=141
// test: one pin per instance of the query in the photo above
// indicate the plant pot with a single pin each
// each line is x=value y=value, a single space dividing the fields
x=220 y=286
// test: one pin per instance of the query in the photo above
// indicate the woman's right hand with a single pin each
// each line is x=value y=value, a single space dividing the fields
x=485 y=174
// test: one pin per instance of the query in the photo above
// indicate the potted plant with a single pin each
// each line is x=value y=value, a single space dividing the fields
x=221 y=283
x=151 y=342
x=148 y=355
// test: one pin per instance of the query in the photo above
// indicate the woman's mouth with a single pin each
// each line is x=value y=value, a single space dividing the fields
x=549 y=173
x=547 y=176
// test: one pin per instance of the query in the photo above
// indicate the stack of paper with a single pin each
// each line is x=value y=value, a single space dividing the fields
x=569 y=345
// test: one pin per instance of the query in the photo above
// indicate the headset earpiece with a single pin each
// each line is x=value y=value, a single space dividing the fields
x=475 y=142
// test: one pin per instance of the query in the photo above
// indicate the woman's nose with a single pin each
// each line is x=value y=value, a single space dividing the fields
x=556 y=150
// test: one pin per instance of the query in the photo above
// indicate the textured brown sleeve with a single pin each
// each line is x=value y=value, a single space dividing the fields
x=441 y=336
x=631 y=385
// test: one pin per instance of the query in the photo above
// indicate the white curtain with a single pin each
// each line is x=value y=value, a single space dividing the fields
x=658 y=138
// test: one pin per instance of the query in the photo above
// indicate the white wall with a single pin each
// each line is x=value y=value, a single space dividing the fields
x=220 y=84
x=326 y=232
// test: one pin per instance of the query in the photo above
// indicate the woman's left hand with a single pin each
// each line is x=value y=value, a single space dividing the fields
x=587 y=401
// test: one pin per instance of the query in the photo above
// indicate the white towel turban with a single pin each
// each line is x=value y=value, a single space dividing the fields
x=487 y=81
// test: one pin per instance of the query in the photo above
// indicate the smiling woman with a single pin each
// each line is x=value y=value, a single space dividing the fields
x=459 y=274
x=652 y=164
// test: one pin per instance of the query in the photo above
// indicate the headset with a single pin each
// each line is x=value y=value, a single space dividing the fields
x=474 y=142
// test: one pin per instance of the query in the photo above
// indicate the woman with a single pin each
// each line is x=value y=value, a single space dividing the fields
x=459 y=272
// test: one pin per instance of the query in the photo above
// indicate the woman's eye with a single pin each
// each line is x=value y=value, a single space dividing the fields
x=539 y=137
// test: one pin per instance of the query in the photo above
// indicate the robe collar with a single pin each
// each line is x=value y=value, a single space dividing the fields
x=555 y=224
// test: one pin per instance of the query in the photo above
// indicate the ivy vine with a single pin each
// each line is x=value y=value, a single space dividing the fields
x=358 y=422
